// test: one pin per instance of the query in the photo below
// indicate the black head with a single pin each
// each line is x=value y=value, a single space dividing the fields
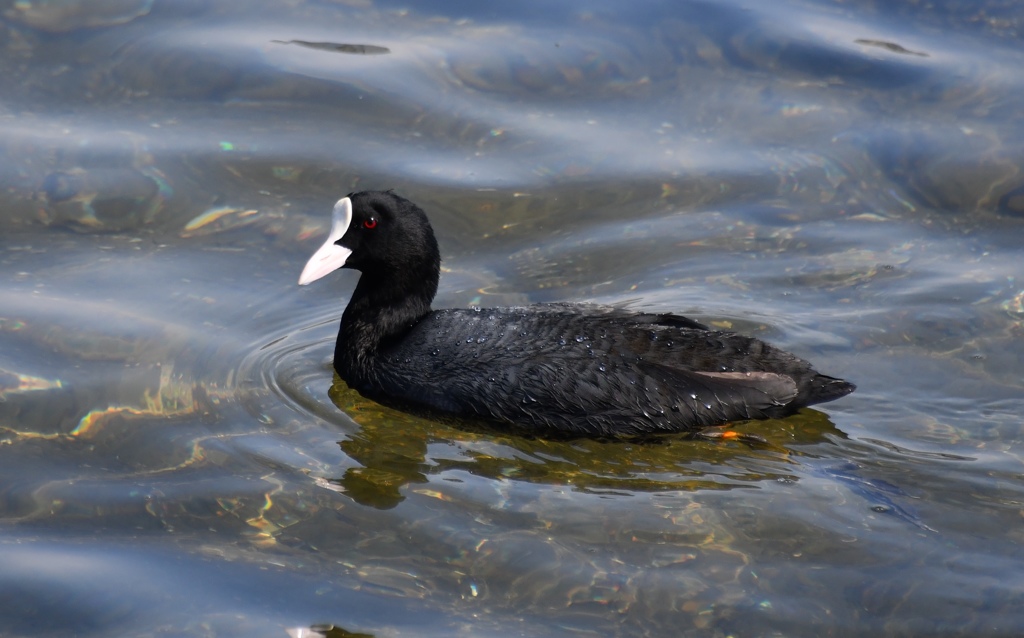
x=386 y=237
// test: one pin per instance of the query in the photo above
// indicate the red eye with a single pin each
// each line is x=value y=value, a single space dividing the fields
x=370 y=223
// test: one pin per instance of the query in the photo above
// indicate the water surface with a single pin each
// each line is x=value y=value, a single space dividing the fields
x=839 y=178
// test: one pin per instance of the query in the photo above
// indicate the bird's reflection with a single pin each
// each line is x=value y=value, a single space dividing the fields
x=395 y=449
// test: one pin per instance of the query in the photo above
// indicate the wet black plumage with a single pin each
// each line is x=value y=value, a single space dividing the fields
x=553 y=368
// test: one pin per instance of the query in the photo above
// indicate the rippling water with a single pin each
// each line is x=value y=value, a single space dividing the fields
x=842 y=179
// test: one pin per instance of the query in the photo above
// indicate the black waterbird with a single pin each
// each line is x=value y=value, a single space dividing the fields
x=548 y=369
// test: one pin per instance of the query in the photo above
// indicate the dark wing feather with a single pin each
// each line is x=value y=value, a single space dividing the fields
x=602 y=373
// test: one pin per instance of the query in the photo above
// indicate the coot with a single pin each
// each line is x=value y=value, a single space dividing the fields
x=549 y=369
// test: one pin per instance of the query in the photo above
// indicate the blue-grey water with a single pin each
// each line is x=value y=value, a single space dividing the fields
x=841 y=178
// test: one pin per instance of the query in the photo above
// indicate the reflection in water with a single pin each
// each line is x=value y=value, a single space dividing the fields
x=890 y=46
x=396 y=449
x=748 y=162
x=359 y=49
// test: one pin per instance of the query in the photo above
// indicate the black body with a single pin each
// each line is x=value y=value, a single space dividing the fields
x=549 y=369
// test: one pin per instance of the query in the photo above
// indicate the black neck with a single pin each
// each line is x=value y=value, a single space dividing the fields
x=382 y=309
